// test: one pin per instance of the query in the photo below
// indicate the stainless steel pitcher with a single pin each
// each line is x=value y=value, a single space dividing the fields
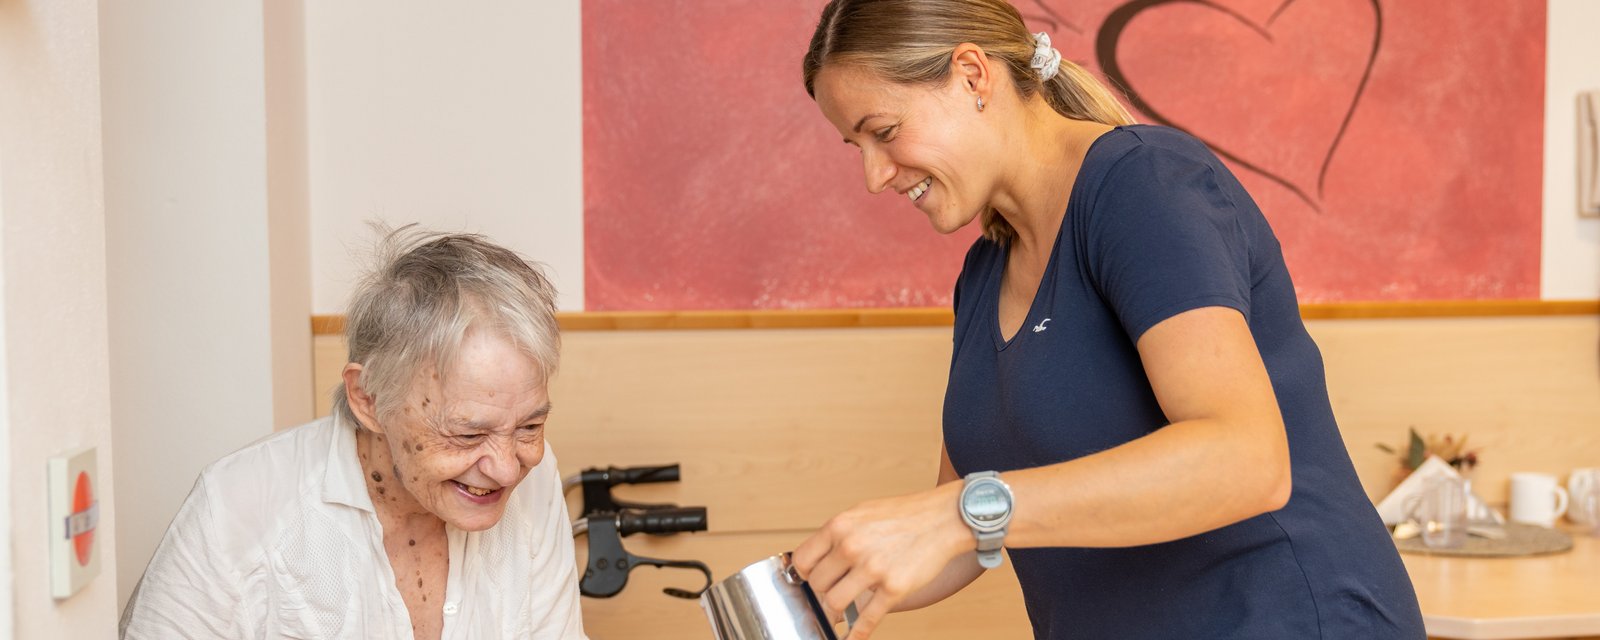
x=767 y=601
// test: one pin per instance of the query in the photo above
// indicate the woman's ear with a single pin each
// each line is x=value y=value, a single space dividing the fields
x=969 y=69
x=364 y=405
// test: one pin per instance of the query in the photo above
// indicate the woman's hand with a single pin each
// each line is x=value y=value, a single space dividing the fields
x=890 y=547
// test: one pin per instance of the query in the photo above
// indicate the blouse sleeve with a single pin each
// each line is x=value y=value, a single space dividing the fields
x=189 y=589
x=553 y=608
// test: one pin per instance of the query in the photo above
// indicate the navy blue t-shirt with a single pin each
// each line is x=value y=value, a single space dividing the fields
x=1156 y=226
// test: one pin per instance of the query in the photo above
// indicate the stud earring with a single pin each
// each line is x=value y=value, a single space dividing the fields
x=980 y=105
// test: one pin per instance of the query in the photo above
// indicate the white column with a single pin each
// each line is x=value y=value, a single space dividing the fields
x=7 y=576
x=206 y=247
x=288 y=217
x=53 y=351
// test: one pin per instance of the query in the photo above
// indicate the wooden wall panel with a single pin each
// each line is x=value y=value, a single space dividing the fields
x=777 y=429
x=1526 y=390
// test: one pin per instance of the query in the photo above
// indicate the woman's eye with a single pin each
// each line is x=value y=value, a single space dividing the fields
x=470 y=438
x=885 y=134
x=530 y=429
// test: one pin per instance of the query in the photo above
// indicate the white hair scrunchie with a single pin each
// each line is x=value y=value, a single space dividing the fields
x=1046 y=60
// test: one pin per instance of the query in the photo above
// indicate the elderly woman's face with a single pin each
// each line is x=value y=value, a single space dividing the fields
x=463 y=441
x=919 y=141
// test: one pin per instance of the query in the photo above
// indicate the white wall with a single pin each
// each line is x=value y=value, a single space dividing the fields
x=204 y=210
x=1571 y=260
x=54 y=299
x=462 y=120
x=472 y=121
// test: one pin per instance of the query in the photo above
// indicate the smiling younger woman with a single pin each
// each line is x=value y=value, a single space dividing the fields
x=427 y=506
x=1138 y=412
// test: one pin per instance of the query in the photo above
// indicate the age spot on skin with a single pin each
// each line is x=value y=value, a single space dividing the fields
x=380 y=491
x=411 y=543
x=377 y=477
x=419 y=448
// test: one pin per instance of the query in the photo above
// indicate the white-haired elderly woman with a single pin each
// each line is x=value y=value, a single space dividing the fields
x=427 y=506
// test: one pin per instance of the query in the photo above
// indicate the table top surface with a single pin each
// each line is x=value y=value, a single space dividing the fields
x=1548 y=596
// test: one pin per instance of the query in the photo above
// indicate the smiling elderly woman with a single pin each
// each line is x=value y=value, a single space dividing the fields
x=427 y=506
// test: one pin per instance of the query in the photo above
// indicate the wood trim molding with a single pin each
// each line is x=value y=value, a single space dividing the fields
x=942 y=317
x=1448 y=309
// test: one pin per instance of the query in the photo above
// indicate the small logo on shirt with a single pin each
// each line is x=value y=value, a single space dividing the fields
x=1040 y=327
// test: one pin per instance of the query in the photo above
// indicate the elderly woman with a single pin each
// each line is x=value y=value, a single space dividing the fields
x=427 y=506
x=1135 y=413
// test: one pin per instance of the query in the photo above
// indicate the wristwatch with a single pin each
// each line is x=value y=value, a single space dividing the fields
x=986 y=508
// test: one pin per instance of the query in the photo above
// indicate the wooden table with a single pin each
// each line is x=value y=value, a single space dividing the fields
x=1550 y=596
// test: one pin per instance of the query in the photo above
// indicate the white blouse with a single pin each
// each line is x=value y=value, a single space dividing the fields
x=280 y=539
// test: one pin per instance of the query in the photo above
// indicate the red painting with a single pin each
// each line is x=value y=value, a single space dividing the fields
x=1395 y=146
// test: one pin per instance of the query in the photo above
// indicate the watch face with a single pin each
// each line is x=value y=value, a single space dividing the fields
x=985 y=502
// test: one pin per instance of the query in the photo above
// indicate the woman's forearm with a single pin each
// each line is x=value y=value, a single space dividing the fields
x=1186 y=478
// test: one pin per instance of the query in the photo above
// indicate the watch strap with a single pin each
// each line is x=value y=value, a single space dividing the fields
x=990 y=547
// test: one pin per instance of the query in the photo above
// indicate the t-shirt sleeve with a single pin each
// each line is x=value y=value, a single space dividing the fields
x=1163 y=238
x=190 y=588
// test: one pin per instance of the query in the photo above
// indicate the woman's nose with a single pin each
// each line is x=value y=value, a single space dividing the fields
x=880 y=171
x=502 y=465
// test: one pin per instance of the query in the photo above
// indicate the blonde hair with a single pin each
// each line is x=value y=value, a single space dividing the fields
x=911 y=42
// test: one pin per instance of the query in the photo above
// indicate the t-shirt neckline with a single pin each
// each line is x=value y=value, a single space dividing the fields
x=1046 y=280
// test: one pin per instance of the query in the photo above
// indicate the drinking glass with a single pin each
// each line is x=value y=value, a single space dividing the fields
x=1442 y=512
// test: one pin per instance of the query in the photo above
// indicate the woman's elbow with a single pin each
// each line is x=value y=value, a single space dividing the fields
x=1277 y=483
x=1279 y=490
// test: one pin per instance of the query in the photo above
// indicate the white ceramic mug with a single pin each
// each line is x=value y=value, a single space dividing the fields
x=1537 y=499
x=1581 y=485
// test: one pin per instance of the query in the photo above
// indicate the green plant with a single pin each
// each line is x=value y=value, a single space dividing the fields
x=1449 y=448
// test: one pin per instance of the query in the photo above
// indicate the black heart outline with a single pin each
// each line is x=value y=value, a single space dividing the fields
x=1106 y=53
x=1049 y=17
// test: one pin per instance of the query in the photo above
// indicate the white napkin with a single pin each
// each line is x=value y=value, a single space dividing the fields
x=1393 y=506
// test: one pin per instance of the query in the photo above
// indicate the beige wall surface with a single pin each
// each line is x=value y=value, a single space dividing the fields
x=53 y=308
x=460 y=120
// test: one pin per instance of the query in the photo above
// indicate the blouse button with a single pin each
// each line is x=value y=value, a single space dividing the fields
x=450 y=608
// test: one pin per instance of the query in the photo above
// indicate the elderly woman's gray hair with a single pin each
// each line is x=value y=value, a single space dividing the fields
x=411 y=311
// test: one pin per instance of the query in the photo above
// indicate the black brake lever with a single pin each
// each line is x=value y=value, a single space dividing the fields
x=609 y=563
x=597 y=485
